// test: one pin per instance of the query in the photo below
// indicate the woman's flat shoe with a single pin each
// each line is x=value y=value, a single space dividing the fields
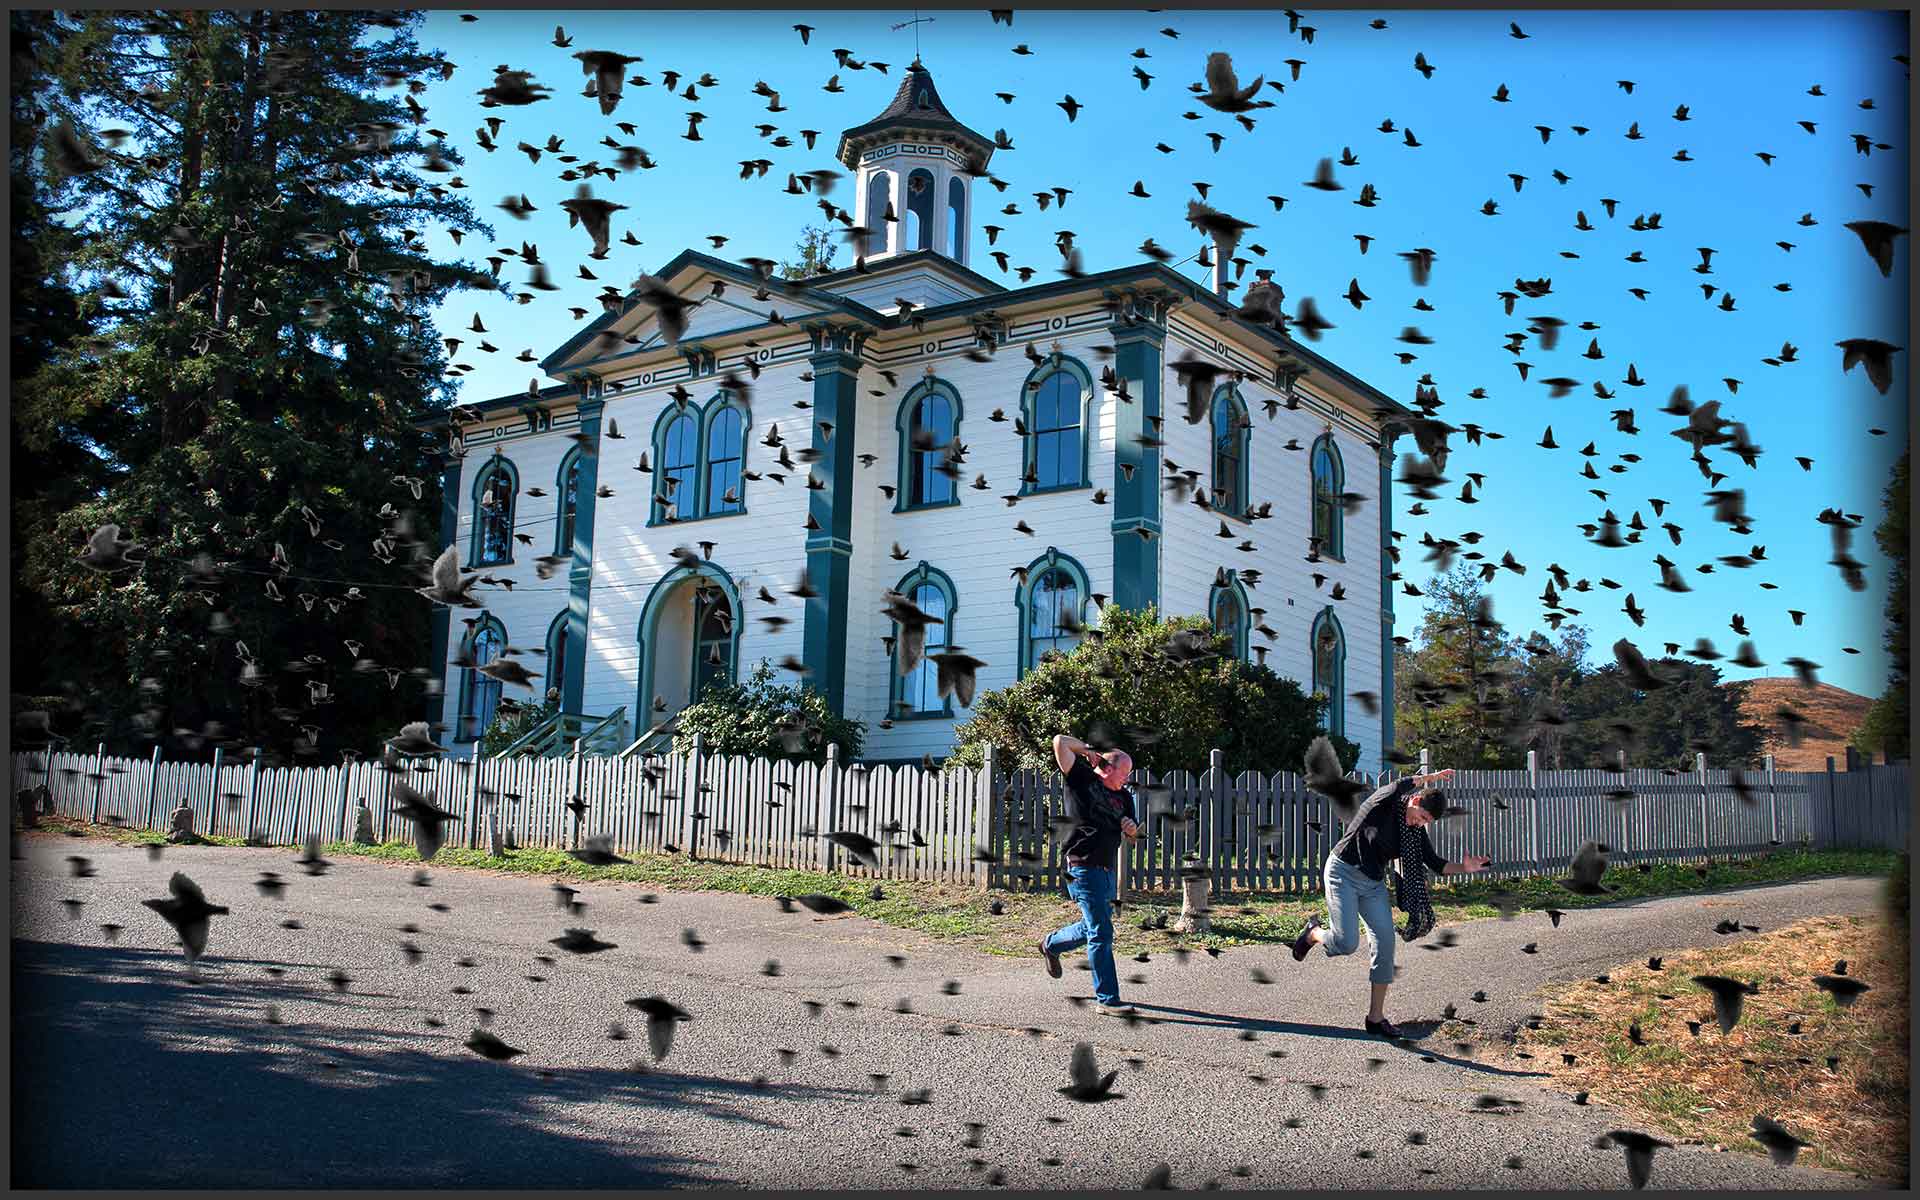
x=1383 y=1028
x=1304 y=942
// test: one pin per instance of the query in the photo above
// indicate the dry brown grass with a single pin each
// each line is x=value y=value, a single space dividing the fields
x=1832 y=715
x=1707 y=1087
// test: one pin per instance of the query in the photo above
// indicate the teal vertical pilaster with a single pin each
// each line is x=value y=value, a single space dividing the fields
x=573 y=676
x=836 y=373
x=442 y=615
x=1386 y=595
x=1139 y=338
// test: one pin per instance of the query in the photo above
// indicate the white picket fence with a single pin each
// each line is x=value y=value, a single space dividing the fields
x=1254 y=832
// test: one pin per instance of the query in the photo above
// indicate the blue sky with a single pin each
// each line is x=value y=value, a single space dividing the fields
x=1743 y=75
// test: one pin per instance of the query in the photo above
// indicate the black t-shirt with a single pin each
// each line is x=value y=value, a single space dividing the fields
x=1096 y=810
x=1373 y=839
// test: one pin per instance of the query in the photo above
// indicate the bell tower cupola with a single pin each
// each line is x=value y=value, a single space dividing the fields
x=915 y=165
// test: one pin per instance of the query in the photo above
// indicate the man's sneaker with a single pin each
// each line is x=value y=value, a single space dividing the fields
x=1053 y=960
x=1304 y=942
x=1113 y=1010
x=1383 y=1028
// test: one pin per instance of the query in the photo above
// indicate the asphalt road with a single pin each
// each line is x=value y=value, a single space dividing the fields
x=130 y=1070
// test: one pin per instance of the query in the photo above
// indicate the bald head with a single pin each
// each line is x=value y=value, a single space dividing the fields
x=1119 y=765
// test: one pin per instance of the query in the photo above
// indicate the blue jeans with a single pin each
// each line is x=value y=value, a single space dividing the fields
x=1092 y=889
x=1352 y=900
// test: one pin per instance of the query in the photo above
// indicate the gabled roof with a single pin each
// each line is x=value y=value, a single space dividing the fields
x=744 y=276
x=1385 y=407
x=894 y=263
x=916 y=107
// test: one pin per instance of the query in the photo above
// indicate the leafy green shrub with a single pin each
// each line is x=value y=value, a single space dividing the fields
x=745 y=718
x=1121 y=677
x=512 y=724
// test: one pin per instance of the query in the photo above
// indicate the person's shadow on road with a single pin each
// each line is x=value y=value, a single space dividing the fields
x=1413 y=1031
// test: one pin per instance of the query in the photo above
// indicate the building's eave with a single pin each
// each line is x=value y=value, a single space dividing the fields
x=931 y=258
x=744 y=276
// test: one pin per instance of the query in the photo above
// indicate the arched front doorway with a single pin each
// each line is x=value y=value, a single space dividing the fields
x=689 y=639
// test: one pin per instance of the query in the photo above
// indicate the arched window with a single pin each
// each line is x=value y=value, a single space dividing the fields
x=1330 y=668
x=1227 y=609
x=1329 y=477
x=479 y=694
x=676 y=472
x=917 y=693
x=929 y=421
x=1230 y=445
x=726 y=455
x=1055 y=404
x=567 y=485
x=691 y=617
x=956 y=218
x=494 y=489
x=556 y=671
x=879 y=194
x=1052 y=606
x=712 y=638
x=920 y=202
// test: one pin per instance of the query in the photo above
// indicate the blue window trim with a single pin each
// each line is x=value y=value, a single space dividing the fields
x=650 y=616
x=656 y=511
x=721 y=401
x=562 y=535
x=956 y=219
x=481 y=480
x=1023 y=596
x=469 y=678
x=923 y=575
x=1244 y=623
x=1335 y=548
x=903 y=424
x=923 y=239
x=1242 y=434
x=879 y=195
x=1334 y=689
x=556 y=659
x=1029 y=410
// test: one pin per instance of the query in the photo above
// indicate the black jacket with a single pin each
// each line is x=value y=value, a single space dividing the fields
x=1372 y=839
x=1096 y=810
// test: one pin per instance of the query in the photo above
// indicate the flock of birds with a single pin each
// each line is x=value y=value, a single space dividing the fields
x=1703 y=427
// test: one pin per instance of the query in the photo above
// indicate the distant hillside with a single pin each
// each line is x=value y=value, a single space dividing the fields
x=1832 y=715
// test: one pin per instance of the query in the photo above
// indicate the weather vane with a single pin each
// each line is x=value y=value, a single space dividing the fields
x=917 y=21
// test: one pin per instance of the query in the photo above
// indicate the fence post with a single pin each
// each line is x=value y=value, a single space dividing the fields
x=579 y=768
x=213 y=793
x=100 y=778
x=153 y=787
x=696 y=770
x=1706 y=829
x=473 y=803
x=829 y=807
x=1626 y=809
x=984 y=824
x=1424 y=768
x=1773 y=804
x=253 y=791
x=1533 y=812
x=346 y=786
x=1829 y=806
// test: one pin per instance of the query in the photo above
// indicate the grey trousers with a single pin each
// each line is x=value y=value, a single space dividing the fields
x=1353 y=900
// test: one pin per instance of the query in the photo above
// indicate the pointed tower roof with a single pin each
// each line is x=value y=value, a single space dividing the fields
x=916 y=110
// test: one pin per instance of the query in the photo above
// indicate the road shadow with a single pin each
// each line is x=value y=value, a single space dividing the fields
x=1413 y=1032
x=126 y=1073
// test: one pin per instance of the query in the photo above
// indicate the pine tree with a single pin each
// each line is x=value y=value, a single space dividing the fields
x=1452 y=688
x=245 y=201
x=1885 y=726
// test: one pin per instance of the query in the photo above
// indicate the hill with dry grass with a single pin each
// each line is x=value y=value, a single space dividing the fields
x=1832 y=714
